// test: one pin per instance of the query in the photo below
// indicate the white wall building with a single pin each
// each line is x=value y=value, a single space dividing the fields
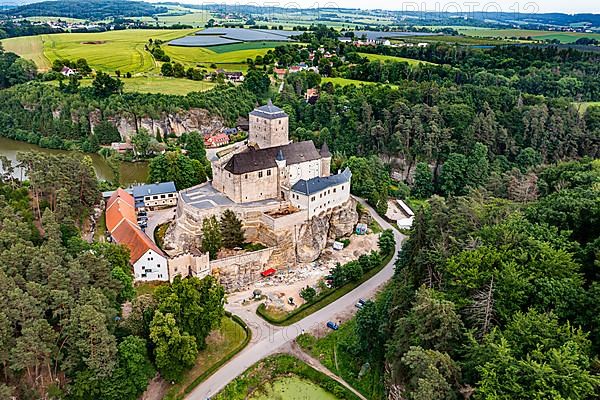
x=321 y=194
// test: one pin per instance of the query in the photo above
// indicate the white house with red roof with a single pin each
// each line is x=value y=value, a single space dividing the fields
x=149 y=262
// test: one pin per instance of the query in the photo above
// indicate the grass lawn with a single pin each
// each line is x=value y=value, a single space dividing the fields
x=564 y=37
x=105 y=51
x=286 y=319
x=346 y=82
x=220 y=344
x=330 y=351
x=147 y=288
x=157 y=84
x=256 y=381
x=226 y=48
x=30 y=48
x=384 y=58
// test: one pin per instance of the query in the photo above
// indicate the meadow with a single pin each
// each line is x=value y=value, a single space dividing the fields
x=346 y=82
x=226 y=57
x=564 y=37
x=384 y=58
x=157 y=84
x=30 y=48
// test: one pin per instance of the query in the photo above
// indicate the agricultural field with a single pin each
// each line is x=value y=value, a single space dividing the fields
x=564 y=37
x=179 y=15
x=384 y=58
x=28 y=47
x=230 y=60
x=461 y=39
x=105 y=51
x=157 y=84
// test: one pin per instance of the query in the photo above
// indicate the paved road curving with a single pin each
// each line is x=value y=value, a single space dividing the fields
x=268 y=339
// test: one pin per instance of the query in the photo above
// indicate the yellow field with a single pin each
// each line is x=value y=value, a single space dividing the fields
x=28 y=47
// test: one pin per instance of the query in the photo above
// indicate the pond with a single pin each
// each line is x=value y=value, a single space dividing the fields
x=130 y=172
x=294 y=388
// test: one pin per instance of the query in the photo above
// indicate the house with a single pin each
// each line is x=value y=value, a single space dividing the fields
x=407 y=214
x=66 y=71
x=280 y=72
x=121 y=147
x=321 y=194
x=155 y=195
x=216 y=140
x=234 y=76
x=148 y=260
x=294 y=69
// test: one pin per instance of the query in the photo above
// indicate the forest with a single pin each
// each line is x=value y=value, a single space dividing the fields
x=91 y=9
x=493 y=299
x=64 y=332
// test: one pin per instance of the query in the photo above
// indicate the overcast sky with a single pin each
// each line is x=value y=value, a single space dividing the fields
x=545 y=6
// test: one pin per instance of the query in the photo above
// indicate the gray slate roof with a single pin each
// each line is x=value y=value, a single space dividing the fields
x=269 y=111
x=316 y=185
x=252 y=160
x=154 y=188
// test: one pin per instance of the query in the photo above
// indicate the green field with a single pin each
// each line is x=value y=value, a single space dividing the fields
x=346 y=82
x=564 y=37
x=105 y=51
x=392 y=58
x=193 y=56
x=227 y=48
x=157 y=84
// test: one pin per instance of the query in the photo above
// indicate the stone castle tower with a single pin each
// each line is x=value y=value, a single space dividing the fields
x=268 y=127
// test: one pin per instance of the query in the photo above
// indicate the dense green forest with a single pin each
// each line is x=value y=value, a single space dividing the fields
x=91 y=9
x=493 y=299
x=63 y=330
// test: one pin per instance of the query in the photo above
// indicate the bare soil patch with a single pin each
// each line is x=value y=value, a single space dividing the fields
x=95 y=42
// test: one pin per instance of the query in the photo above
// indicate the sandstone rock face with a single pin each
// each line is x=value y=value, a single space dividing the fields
x=314 y=236
x=194 y=119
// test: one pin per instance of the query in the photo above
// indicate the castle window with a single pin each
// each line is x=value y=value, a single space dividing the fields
x=260 y=174
x=334 y=189
x=268 y=172
x=312 y=198
x=246 y=176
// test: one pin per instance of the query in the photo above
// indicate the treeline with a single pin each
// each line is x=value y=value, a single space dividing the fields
x=10 y=29
x=529 y=69
x=14 y=69
x=40 y=114
x=428 y=122
x=493 y=299
x=91 y=9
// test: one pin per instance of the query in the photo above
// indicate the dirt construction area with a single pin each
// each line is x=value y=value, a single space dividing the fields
x=286 y=284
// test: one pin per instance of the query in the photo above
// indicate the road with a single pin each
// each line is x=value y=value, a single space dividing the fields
x=268 y=339
x=159 y=217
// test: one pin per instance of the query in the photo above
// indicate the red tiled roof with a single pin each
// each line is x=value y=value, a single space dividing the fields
x=129 y=234
x=119 y=207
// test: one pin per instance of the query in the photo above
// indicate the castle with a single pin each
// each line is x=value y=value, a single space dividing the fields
x=273 y=167
x=282 y=191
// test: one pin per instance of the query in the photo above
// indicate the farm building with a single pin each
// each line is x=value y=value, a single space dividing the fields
x=148 y=260
x=216 y=140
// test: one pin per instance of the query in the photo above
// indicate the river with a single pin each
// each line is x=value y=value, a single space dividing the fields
x=130 y=172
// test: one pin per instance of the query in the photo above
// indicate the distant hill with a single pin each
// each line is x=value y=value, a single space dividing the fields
x=88 y=9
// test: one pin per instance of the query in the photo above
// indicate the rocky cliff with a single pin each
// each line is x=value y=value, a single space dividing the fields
x=194 y=119
x=314 y=236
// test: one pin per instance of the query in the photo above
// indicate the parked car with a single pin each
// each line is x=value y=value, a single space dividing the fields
x=142 y=214
x=332 y=325
x=360 y=304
